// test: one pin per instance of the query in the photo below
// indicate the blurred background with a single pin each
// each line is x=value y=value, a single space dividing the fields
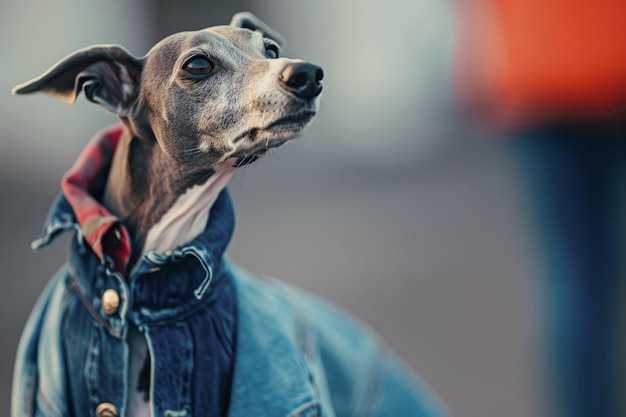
x=393 y=205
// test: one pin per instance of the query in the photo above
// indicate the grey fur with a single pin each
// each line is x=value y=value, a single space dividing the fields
x=178 y=128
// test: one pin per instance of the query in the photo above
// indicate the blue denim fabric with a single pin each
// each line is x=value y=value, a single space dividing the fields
x=222 y=342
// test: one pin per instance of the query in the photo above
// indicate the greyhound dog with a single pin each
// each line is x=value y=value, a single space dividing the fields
x=194 y=109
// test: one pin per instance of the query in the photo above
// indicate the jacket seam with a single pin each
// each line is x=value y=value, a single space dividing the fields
x=49 y=405
x=32 y=395
x=371 y=393
x=304 y=409
x=305 y=336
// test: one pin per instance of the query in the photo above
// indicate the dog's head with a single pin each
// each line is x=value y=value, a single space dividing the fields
x=222 y=94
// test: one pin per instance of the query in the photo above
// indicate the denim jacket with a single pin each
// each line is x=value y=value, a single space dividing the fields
x=221 y=341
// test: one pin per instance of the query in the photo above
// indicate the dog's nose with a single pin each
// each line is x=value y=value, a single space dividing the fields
x=302 y=79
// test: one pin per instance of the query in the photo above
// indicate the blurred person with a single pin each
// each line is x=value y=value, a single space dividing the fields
x=552 y=75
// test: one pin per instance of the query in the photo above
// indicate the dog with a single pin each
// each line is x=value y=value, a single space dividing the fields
x=152 y=218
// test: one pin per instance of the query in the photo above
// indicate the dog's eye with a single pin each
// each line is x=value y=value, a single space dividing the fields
x=198 y=65
x=271 y=51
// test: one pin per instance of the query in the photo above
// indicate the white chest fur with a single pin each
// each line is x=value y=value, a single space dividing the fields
x=187 y=218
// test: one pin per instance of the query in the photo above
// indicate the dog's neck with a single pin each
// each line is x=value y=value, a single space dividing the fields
x=162 y=205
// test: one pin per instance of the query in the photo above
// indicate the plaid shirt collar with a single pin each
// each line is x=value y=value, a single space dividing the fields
x=78 y=208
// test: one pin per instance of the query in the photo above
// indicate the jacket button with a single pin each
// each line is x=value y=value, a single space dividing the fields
x=106 y=410
x=110 y=301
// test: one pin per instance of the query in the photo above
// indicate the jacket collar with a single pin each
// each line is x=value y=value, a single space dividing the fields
x=77 y=208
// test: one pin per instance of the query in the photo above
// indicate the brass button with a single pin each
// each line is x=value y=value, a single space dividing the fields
x=110 y=301
x=106 y=410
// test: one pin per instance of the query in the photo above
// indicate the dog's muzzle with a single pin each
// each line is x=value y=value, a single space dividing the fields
x=302 y=79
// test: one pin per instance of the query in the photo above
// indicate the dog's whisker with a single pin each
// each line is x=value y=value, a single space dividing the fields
x=196 y=150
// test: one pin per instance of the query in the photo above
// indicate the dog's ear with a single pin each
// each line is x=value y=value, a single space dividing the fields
x=108 y=74
x=247 y=20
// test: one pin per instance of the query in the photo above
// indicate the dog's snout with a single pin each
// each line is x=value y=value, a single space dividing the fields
x=302 y=79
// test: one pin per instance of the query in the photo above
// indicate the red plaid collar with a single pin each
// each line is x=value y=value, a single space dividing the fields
x=102 y=230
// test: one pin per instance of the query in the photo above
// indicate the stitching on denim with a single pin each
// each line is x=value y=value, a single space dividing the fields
x=204 y=285
x=66 y=300
x=371 y=393
x=49 y=405
x=91 y=367
x=204 y=258
x=34 y=380
x=306 y=337
x=308 y=410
